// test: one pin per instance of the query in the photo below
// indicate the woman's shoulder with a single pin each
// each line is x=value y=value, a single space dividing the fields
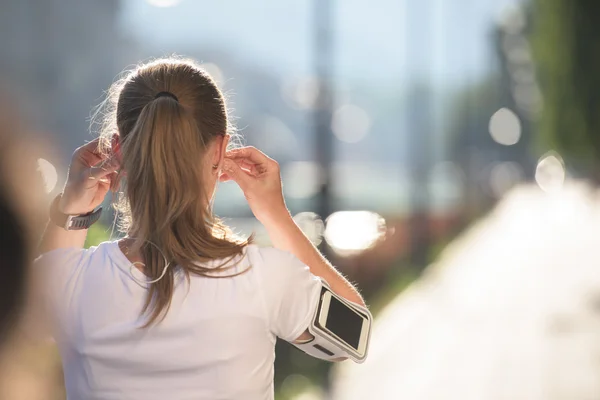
x=70 y=256
x=274 y=262
x=267 y=256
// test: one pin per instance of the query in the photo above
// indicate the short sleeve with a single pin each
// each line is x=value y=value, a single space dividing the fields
x=290 y=291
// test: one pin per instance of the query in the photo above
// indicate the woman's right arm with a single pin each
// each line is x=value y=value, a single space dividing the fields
x=286 y=235
x=259 y=178
x=89 y=179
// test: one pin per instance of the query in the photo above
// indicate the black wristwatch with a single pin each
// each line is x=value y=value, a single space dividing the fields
x=72 y=222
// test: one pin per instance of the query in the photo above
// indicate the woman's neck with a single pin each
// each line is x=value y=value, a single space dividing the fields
x=126 y=245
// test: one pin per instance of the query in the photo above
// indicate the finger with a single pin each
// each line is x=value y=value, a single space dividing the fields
x=92 y=146
x=103 y=169
x=235 y=173
x=224 y=178
x=251 y=153
x=104 y=187
x=250 y=168
x=90 y=152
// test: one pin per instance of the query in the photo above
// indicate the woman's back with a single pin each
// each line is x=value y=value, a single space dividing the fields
x=131 y=325
x=216 y=341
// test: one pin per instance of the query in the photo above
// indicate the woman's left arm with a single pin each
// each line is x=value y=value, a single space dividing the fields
x=90 y=177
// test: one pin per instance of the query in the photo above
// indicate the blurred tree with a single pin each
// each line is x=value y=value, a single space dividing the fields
x=566 y=44
x=470 y=145
x=97 y=234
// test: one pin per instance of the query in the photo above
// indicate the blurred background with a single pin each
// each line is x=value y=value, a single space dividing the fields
x=397 y=123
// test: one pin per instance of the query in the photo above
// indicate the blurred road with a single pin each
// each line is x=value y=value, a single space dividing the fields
x=511 y=311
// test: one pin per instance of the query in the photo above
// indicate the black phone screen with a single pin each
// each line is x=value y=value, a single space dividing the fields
x=344 y=323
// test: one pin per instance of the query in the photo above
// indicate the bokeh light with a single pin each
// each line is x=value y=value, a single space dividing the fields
x=350 y=123
x=512 y=19
x=301 y=179
x=517 y=50
x=301 y=93
x=550 y=172
x=505 y=127
x=349 y=232
x=312 y=393
x=163 y=3
x=312 y=225
x=528 y=97
x=49 y=174
x=294 y=384
x=275 y=137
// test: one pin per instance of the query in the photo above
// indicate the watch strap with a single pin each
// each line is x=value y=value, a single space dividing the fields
x=73 y=222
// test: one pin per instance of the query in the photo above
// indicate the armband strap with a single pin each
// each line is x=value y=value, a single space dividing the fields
x=325 y=344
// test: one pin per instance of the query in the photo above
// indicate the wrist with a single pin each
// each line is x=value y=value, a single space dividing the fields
x=275 y=220
x=67 y=205
x=71 y=220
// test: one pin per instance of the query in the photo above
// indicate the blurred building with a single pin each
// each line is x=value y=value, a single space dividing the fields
x=58 y=56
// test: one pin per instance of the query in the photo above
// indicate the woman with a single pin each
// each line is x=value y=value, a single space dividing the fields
x=179 y=308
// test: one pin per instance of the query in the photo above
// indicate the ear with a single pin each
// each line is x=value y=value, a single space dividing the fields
x=220 y=151
x=115 y=148
x=115 y=145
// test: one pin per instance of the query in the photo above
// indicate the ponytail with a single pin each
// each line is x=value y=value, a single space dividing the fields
x=165 y=205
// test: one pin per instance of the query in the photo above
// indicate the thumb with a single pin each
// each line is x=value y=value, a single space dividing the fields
x=235 y=173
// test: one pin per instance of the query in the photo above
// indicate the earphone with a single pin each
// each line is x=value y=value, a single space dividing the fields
x=139 y=263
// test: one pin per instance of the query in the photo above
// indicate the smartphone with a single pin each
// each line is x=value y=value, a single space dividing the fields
x=344 y=322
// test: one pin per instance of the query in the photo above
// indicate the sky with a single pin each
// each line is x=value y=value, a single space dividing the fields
x=380 y=46
x=379 y=40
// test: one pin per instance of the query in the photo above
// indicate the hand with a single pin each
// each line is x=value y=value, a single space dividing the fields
x=259 y=178
x=91 y=175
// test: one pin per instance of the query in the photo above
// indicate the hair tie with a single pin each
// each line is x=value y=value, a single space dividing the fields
x=166 y=94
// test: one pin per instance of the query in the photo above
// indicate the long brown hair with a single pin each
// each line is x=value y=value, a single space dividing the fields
x=163 y=202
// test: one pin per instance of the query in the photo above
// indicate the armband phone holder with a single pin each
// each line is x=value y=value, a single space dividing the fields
x=340 y=329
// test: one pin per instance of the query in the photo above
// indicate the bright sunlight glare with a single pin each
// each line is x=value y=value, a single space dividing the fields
x=312 y=226
x=550 y=172
x=350 y=123
x=349 y=232
x=505 y=127
x=49 y=175
x=163 y=3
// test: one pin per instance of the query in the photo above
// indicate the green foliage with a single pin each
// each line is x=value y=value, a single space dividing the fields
x=566 y=47
x=97 y=234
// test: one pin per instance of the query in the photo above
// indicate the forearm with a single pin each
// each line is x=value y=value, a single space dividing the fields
x=286 y=235
x=90 y=177
x=55 y=237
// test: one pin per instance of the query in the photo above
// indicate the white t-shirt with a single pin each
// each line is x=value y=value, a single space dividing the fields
x=216 y=342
